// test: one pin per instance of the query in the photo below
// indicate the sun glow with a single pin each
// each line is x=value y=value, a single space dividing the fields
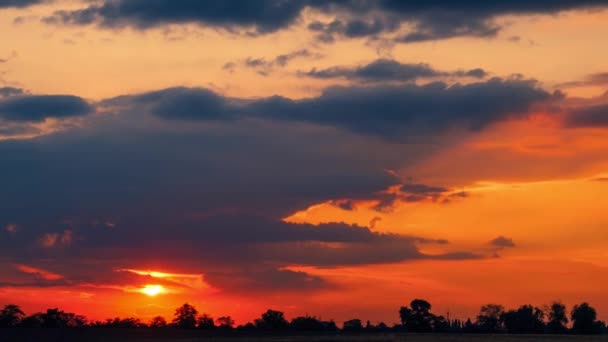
x=152 y=290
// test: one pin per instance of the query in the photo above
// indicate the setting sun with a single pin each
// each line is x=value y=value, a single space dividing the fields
x=152 y=290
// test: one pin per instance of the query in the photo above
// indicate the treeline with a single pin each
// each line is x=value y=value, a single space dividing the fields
x=417 y=317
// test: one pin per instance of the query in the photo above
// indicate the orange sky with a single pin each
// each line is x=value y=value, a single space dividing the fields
x=531 y=178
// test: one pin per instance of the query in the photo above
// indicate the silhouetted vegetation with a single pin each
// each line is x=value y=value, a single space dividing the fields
x=417 y=317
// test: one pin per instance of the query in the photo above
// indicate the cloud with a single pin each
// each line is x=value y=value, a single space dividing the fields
x=391 y=112
x=37 y=108
x=264 y=67
x=430 y=20
x=38 y=272
x=588 y=116
x=383 y=70
x=51 y=240
x=207 y=179
x=261 y=16
x=502 y=242
x=10 y=91
x=597 y=79
x=180 y=103
x=20 y=3
x=439 y=19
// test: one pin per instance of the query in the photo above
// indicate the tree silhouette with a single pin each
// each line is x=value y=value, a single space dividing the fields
x=272 y=320
x=205 y=322
x=525 y=320
x=584 y=319
x=417 y=318
x=11 y=316
x=158 y=322
x=306 y=323
x=125 y=323
x=557 y=318
x=489 y=318
x=225 y=322
x=353 y=325
x=185 y=317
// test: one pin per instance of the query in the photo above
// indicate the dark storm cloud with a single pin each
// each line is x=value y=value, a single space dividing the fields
x=20 y=3
x=390 y=112
x=502 y=242
x=588 y=116
x=244 y=252
x=189 y=178
x=435 y=19
x=36 y=108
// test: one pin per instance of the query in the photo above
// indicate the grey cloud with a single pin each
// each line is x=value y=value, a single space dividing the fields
x=588 y=116
x=391 y=112
x=35 y=108
x=382 y=70
x=437 y=19
x=20 y=3
x=502 y=242
x=10 y=91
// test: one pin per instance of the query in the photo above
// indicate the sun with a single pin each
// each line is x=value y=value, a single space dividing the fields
x=152 y=290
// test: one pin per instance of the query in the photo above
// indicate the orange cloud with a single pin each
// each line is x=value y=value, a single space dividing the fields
x=38 y=272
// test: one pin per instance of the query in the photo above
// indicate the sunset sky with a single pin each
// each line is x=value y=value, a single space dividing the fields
x=323 y=157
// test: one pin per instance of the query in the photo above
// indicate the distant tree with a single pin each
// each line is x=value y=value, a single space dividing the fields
x=185 y=317
x=55 y=318
x=489 y=318
x=558 y=318
x=525 y=320
x=158 y=322
x=117 y=322
x=225 y=322
x=249 y=327
x=469 y=326
x=306 y=323
x=584 y=319
x=440 y=324
x=417 y=318
x=11 y=316
x=205 y=322
x=272 y=320
x=353 y=325
x=32 y=321
x=382 y=327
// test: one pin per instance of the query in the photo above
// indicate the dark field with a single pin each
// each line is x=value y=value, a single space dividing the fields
x=139 y=335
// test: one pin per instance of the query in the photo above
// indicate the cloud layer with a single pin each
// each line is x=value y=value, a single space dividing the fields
x=430 y=20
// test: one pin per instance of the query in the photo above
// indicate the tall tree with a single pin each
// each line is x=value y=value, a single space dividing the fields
x=10 y=316
x=489 y=318
x=558 y=318
x=185 y=316
x=225 y=322
x=272 y=320
x=205 y=322
x=417 y=318
x=158 y=322
x=525 y=320
x=584 y=319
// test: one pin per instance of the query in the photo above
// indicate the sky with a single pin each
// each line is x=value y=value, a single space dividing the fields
x=322 y=157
